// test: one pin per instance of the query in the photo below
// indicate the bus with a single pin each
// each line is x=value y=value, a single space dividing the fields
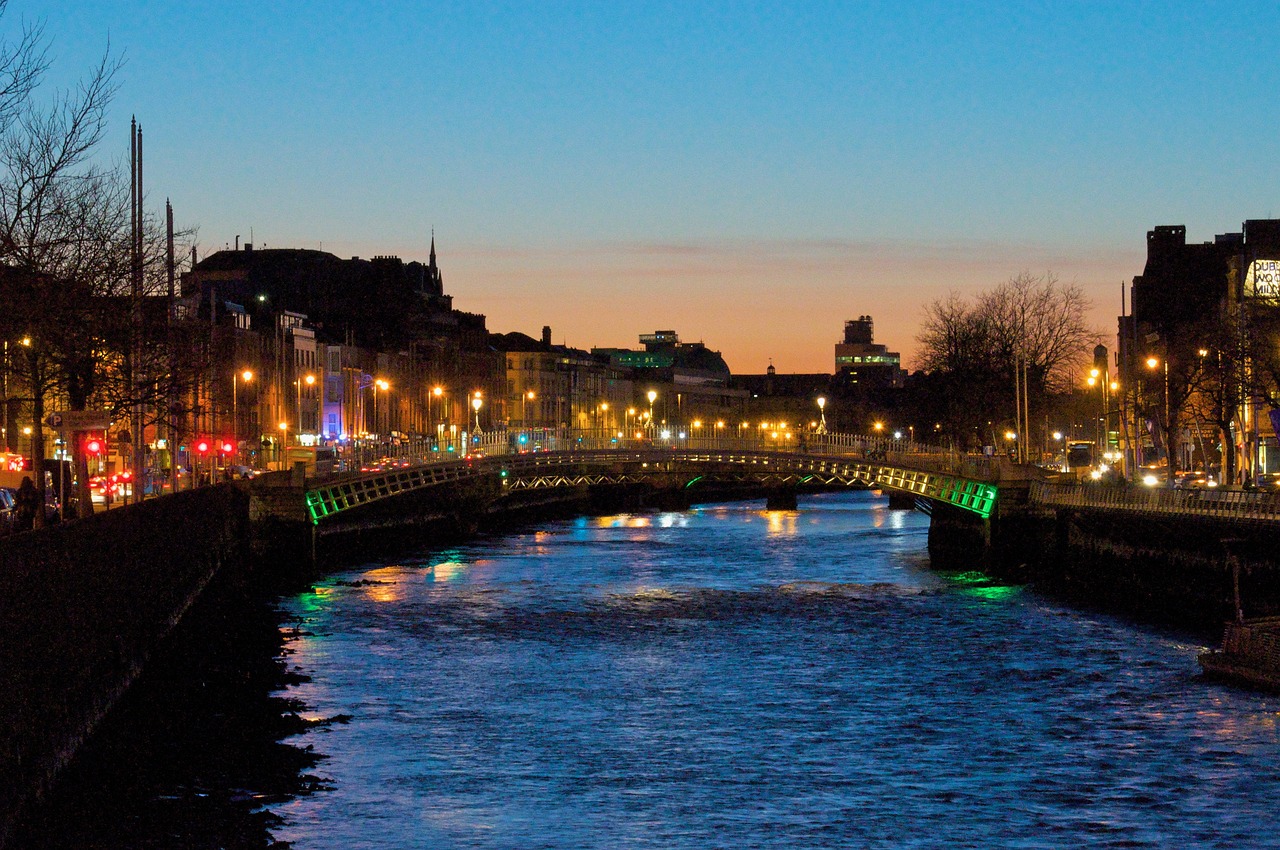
x=320 y=460
x=1079 y=456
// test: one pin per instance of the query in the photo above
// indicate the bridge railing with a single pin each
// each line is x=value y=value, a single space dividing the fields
x=868 y=447
x=1236 y=504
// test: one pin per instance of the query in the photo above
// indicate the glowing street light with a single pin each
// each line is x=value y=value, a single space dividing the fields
x=310 y=381
x=1154 y=362
x=476 y=403
x=246 y=376
x=822 y=414
x=379 y=384
x=524 y=406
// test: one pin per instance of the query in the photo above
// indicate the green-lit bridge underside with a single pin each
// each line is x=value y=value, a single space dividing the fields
x=687 y=468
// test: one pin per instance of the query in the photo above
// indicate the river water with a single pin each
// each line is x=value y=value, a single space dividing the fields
x=731 y=677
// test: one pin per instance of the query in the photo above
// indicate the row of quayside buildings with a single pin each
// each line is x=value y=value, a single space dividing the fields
x=308 y=348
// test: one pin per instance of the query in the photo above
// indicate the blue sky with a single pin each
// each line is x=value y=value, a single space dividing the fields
x=750 y=175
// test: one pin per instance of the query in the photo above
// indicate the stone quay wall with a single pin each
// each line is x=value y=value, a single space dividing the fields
x=83 y=605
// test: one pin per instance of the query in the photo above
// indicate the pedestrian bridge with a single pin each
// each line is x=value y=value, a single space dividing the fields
x=971 y=484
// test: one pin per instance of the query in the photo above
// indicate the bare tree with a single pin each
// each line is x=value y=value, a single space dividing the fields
x=62 y=220
x=975 y=347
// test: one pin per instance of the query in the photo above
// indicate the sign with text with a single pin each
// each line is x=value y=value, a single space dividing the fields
x=79 y=420
x=1263 y=279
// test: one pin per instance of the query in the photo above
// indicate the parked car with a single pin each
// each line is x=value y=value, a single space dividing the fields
x=8 y=507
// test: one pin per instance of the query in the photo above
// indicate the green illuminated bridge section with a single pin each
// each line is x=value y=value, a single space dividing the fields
x=967 y=483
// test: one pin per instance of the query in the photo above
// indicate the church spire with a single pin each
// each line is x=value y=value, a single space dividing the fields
x=432 y=259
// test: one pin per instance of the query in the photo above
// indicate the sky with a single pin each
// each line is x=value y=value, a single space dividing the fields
x=751 y=175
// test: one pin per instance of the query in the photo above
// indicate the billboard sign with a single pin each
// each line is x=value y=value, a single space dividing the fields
x=1263 y=279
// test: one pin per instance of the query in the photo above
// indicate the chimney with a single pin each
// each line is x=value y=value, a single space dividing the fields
x=546 y=335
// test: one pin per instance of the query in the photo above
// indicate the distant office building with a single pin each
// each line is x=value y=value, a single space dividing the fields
x=861 y=365
x=691 y=380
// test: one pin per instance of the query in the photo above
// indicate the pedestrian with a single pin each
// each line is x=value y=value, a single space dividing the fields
x=28 y=502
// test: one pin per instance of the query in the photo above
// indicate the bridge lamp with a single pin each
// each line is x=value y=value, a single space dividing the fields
x=476 y=403
x=878 y=426
x=897 y=435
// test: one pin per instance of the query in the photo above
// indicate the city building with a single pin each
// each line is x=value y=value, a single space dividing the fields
x=691 y=383
x=1192 y=313
x=554 y=385
x=861 y=365
x=307 y=348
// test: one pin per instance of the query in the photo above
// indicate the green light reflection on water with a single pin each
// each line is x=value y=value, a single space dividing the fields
x=974 y=583
x=317 y=600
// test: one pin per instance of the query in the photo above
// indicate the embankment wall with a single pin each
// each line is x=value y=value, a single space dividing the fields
x=82 y=607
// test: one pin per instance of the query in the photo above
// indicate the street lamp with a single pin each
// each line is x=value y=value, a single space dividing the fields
x=284 y=440
x=476 y=403
x=652 y=395
x=1152 y=363
x=822 y=414
x=524 y=406
x=309 y=380
x=245 y=376
x=379 y=384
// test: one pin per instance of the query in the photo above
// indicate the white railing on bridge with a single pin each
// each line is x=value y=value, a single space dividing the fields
x=1237 y=504
x=871 y=448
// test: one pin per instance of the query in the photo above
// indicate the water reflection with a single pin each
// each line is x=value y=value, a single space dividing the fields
x=730 y=677
x=781 y=523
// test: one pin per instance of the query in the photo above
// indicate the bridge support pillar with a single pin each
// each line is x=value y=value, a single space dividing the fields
x=782 y=499
x=899 y=501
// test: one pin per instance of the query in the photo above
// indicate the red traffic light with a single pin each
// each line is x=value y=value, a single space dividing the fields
x=93 y=446
x=227 y=447
x=202 y=447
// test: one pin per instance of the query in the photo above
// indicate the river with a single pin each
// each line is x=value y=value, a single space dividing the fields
x=731 y=677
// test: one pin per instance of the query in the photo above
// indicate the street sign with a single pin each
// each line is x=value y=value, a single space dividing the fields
x=79 y=420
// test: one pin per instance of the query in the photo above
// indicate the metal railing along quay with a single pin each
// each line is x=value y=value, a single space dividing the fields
x=1223 y=503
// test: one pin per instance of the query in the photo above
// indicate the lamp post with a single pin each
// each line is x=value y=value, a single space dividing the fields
x=1152 y=363
x=822 y=414
x=476 y=403
x=284 y=441
x=652 y=395
x=309 y=380
x=529 y=396
x=436 y=392
x=379 y=384
x=245 y=376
